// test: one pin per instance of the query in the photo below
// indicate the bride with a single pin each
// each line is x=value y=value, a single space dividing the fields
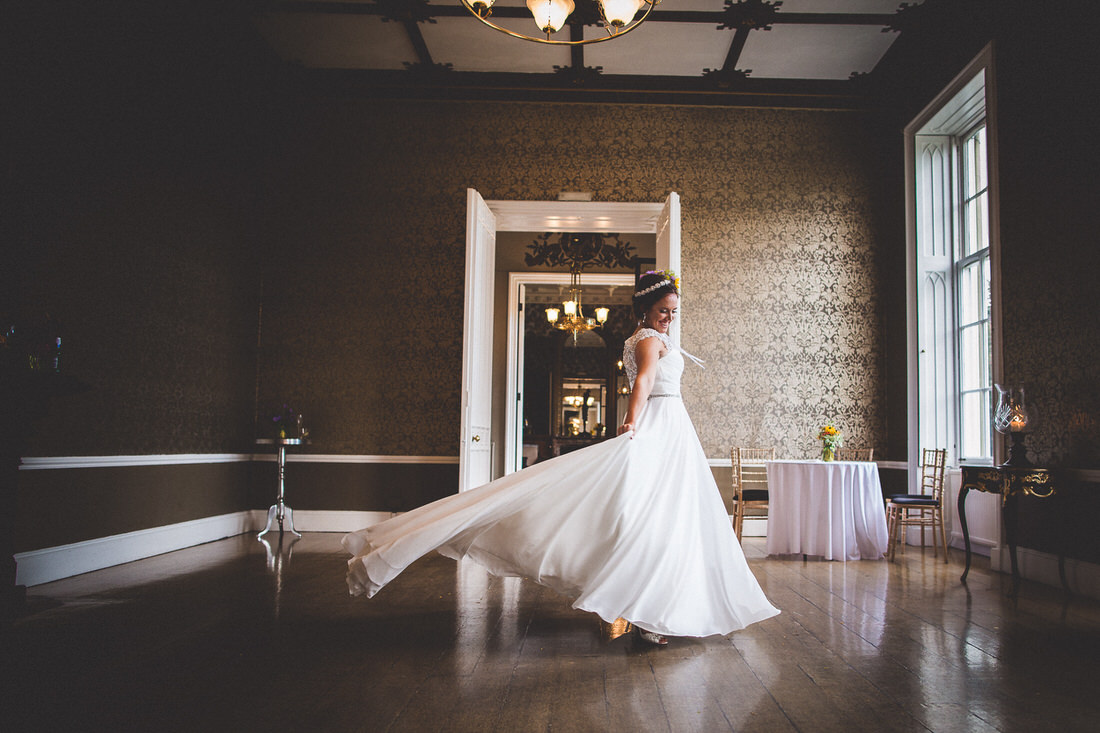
x=633 y=527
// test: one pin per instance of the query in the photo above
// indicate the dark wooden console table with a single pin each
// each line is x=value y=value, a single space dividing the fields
x=1009 y=482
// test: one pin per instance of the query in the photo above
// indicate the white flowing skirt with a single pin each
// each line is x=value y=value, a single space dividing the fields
x=632 y=527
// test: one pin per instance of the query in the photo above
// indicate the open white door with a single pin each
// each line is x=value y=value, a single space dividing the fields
x=668 y=248
x=475 y=453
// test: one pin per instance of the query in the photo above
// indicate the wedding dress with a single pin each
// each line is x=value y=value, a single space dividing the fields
x=633 y=527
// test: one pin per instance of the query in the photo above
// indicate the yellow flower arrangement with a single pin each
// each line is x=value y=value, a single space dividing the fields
x=831 y=440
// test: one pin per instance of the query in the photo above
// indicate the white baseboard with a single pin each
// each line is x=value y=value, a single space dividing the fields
x=1082 y=577
x=53 y=563
x=754 y=527
x=320 y=520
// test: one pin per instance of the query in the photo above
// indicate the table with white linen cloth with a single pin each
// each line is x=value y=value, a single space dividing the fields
x=832 y=509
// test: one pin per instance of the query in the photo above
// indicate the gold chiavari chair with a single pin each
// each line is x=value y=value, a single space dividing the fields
x=855 y=454
x=750 y=483
x=924 y=510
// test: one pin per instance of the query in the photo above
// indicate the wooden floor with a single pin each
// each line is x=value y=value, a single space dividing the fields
x=223 y=638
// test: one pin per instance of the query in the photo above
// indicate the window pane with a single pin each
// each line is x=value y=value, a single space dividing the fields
x=970 y=228
x=971 y=358
x=973 y=426
x=972 y=295
x=975 y=231
x=986 y=360
x=986 y=304
x=981 y=204
x=979 y=160
x=969 y=181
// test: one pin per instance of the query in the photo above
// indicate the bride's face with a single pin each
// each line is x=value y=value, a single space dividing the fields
x=662 y=313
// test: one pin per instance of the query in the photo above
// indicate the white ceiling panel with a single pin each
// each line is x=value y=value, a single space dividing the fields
x=823 y=42
x=337 y=41
x=662 y=49
x=814 y=52
x=471 y=46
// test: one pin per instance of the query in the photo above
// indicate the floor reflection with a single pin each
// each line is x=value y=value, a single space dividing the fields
x=279 y=552
x=174 y=642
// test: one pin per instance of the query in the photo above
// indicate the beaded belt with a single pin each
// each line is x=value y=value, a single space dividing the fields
x=652 y=396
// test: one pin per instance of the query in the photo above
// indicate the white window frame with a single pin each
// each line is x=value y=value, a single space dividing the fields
x=931 y=229
x=962 y=262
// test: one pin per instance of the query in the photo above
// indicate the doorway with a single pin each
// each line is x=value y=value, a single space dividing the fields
x=484 y=220
x=598 y=389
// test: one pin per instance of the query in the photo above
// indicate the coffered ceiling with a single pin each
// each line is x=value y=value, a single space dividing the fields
x=816 y=53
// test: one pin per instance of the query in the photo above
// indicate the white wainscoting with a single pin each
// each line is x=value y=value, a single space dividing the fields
x=171 y=459
x=1083 y=578
x=54 y=563
x=181 y=459
x=983 y=518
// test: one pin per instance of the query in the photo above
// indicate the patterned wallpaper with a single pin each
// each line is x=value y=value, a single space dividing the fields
x=1051 y=328
x=156 y=301
x=363 y=284
x=360 y=231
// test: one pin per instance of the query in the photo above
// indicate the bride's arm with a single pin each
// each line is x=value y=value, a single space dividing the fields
x=646 y=353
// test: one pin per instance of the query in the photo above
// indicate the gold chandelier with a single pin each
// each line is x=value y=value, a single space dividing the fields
x=570 y=317
x=615 y=16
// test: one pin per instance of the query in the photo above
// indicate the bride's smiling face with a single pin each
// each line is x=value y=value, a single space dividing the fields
x=662 y=313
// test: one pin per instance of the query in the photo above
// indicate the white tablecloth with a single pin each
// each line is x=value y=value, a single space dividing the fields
x=832 y=509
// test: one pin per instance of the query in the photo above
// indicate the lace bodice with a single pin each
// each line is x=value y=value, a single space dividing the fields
x=630 y=363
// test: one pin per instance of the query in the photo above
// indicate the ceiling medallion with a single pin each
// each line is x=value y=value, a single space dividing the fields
x=617 y=17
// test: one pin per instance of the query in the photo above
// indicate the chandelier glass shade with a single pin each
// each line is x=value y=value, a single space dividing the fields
x=570 y=317
x=617 y=17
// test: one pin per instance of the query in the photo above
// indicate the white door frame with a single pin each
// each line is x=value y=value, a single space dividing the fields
x=662 y=219
x=517 y=283
x=475 y=453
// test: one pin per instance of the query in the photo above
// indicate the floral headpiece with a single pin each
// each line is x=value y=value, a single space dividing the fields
x=668 y=278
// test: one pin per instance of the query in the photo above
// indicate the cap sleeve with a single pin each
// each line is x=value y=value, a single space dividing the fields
x=630 y=363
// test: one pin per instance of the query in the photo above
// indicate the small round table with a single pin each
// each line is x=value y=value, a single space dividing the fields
x=279 y=509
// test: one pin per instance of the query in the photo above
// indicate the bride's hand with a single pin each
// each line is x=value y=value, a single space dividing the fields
x=626 y=428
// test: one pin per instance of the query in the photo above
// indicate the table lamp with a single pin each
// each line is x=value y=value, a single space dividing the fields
x=1011 y=417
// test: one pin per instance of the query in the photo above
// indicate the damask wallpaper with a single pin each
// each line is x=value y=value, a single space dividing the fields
x=363 y=282
x=156 y=304
x=215 y=244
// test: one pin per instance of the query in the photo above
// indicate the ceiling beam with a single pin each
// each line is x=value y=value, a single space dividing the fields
x=736 y=47
x=417 y=38
x=457 y=10
x=593 y=88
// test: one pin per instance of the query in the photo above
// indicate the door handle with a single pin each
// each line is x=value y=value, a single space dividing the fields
x=477 y=438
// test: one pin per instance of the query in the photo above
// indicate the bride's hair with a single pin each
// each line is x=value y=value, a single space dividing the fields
x=652 y=287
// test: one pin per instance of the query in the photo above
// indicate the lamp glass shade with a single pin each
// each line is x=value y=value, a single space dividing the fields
x=550 y=15
x=620 y=12
x=552 y=315
x=601 y=314
x=1010 y=415
x=570 y=307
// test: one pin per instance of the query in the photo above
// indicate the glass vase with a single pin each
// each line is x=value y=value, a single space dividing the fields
x=827 y=453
